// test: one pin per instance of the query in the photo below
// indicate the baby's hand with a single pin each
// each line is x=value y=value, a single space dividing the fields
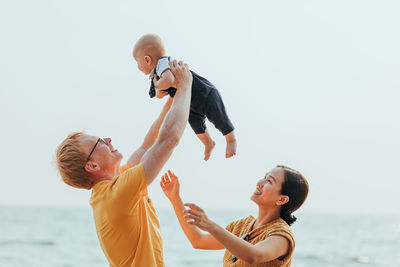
x=161 y=93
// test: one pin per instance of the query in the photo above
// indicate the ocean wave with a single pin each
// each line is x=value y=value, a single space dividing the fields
x=27 y=243
x=360 y=259
x=334 y=259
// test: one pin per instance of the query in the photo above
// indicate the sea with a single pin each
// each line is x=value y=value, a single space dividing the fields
x=33 y=236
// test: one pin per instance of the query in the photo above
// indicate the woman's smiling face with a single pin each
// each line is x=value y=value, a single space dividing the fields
x=268 y=189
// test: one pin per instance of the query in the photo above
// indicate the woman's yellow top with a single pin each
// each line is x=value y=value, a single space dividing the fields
x=276 y=227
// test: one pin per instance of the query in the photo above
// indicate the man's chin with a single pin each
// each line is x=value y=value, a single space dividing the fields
x=117 y=157
x=116 y=154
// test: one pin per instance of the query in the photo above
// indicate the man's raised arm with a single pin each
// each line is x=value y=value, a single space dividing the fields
x=174 y=124
x=151 y=135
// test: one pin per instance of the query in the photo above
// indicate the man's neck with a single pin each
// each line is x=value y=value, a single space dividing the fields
x=105 y=175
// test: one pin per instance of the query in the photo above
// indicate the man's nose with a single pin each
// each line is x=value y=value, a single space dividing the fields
x=108 y=140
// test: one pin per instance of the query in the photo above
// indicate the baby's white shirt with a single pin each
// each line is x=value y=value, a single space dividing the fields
x=162 y=65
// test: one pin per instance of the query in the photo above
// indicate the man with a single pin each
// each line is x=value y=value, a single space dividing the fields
x=126 y=223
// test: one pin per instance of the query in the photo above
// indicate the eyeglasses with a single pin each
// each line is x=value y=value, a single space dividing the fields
x=245 y=237
x=94 y=147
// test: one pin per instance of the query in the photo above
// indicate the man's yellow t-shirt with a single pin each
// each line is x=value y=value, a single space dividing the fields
x=126 y=222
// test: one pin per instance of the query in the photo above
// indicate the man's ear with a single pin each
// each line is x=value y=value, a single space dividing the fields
x=91 y=167
x=147 y=59
x=283 y=199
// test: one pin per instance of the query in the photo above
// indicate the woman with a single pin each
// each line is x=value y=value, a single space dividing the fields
x=263 y=241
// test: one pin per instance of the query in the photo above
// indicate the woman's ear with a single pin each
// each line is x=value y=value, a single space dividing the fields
x=283 y=199
x=147 y=59
x=91 y=167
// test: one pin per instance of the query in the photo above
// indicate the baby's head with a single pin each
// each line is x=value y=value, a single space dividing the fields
x=147 y=50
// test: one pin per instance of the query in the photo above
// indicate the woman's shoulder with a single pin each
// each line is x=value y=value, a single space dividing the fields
x=280 y=227
x=279 y=224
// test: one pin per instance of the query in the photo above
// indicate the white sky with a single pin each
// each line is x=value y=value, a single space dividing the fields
x=314 y=85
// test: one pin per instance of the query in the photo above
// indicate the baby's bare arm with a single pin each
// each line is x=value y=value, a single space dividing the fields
x=166 y=80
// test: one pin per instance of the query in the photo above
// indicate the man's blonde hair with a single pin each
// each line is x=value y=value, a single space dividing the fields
x=150 y=45
x=71 y=161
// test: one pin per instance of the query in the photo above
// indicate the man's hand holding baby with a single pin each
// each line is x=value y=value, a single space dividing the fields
x=182 y=76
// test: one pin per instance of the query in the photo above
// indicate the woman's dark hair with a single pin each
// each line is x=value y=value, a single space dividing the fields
x=295 y=186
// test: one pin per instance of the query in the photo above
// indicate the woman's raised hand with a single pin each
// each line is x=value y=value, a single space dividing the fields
x=196 y=216
x=170 y=185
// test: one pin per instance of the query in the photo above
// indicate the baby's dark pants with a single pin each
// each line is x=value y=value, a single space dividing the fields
x=215 y=111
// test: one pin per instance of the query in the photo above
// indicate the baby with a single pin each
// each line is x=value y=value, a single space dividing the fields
x=149 y=53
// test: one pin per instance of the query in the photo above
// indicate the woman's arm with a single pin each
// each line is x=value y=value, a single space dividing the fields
x=269 y=249
x=170 y=185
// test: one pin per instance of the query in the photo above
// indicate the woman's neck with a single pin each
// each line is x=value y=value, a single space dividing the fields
x=265 y=216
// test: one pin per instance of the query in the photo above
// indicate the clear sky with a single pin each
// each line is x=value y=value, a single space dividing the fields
x=314 y=85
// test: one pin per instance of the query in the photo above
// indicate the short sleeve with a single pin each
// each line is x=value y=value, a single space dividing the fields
x=127 y=188
x=286 y=232
x=230 y=226
x=162 y=65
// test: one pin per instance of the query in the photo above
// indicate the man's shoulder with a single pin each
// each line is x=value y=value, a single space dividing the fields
x=124 y=167
x=131 y=171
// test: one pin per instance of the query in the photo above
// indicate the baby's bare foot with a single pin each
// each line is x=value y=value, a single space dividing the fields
x=208 y=149
x=230 y=149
